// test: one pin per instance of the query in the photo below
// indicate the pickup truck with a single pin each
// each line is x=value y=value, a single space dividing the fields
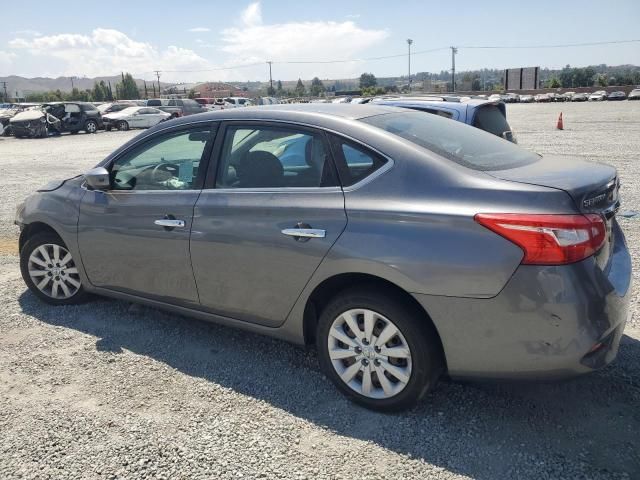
x=177 y=107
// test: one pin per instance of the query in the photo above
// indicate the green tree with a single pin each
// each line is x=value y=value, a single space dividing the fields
x=271 y=91
x=100 y=91
x=602 y=80
x=127 y=88
x=372 y=91
x=279 y=87
x=368 y=80
x=476 y=85
x=317 y=87
x=554 y=83
x=299 y=88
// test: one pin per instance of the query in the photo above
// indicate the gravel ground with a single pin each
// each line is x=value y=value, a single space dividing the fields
x=111 y=390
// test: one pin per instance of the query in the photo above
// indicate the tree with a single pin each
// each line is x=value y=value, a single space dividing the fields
x=368 y=80
x=372 y=91
x=317 y=87
x=279 y=87
x=299 y=88
x=602 y=81
x=127 y=88
x=271 y=91
x=100 y=91
x=476 y=85
x=554 y=83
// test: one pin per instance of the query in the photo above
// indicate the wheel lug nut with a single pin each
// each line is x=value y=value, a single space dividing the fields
x=365 y=341
x=365 y=362
x=376 y=362
x=358 y=350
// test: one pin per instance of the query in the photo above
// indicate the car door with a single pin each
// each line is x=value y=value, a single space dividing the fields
x=134 y=237
x=265 y=220
x=146 y=116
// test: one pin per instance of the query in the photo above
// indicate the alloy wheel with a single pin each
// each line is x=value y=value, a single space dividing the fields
x=53 y=271
x=369 y=353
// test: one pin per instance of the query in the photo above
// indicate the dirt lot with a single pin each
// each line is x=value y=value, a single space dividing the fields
x=110 y=390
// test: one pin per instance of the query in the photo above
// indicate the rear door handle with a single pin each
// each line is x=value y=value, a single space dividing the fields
x=305 y=232
x=170 y=223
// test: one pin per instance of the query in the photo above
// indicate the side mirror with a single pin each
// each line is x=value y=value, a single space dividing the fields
x=98 y=178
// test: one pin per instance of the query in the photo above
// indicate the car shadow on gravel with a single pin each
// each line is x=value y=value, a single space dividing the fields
x=587 y=427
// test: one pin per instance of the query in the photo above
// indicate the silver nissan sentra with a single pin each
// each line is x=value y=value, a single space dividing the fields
x=404 y=245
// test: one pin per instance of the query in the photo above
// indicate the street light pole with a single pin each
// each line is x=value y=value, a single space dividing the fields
x=409 y=42
x=454 y=50
x=270 y=78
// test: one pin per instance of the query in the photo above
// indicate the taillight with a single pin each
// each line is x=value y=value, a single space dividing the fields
x=549 y=239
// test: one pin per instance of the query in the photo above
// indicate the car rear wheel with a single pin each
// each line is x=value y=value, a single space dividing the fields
x=122 y=125
x=50 y=271
x=91 y=126
x=379 y=351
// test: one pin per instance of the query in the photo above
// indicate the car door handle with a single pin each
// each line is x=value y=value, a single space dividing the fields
x=305 y=232
x=170 y=223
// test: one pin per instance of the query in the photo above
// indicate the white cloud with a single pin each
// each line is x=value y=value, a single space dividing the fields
x=27 y=32
x=107 y=52
x=252 y=15
x=6 y=58
x=253 y=40
x=199 y=29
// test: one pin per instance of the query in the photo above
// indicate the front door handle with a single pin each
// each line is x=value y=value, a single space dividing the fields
x=305 y=232
x=170 y=223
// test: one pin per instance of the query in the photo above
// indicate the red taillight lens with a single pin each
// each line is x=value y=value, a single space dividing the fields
x=549 y=239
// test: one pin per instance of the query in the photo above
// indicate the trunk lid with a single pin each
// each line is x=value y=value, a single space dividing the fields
x=594 y=187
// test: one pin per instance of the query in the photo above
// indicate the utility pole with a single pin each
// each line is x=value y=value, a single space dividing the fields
x=72 y=84
x=409 y=42
x=5 y=96
x=158 y=72
x=270 y=78
x=454 y=50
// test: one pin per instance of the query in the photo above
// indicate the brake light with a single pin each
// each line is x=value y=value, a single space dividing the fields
x=549 y=239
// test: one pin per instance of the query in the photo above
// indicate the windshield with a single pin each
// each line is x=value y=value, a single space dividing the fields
x=460 y=143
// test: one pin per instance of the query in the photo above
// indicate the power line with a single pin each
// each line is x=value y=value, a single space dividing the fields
x=386 y=57
x=559 y=45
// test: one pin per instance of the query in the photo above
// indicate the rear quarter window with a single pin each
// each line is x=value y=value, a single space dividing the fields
x=491 y=119
x=354 y=162
x=455 y=141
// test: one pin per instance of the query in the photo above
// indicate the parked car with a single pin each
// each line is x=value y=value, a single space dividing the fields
x=6 y=114
x=568 y=96
x=134 y=117
x=58 y=117
x=384 y=241
x=598 y=96
x=483 y=114
x=112 y=107
x=526 y=98
x=579 y=97
x=542 y=98
x=495 y=97
x=634 y=94
x=176 y=107
x=234 y=102
x=616 y=96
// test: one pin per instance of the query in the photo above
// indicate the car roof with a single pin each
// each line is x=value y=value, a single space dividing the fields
x=461 y=106
x=296 y=112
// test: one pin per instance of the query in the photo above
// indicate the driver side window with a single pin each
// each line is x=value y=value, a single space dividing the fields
x=169 y=162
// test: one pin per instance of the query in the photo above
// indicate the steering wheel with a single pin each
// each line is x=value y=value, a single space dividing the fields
x=171 y=168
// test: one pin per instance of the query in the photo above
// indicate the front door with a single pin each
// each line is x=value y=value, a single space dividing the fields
x=134 y=238
x=272 y=214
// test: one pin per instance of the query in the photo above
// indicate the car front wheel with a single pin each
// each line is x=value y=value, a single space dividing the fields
x=123 y=126
x=50 y=271
x=378 y=350
x=91 y=126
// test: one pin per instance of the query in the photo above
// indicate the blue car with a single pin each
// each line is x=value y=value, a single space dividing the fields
x=486 y=115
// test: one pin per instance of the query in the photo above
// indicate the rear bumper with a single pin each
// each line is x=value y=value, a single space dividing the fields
x=548 y=322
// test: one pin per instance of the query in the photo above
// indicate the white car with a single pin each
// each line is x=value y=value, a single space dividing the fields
x=233 y=102
x=134 y=117
x=598 y=96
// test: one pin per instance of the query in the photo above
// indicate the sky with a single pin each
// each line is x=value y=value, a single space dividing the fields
x=198 y=40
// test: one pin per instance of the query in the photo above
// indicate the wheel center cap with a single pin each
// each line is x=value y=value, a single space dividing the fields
x=56 y=271
x=369 y=352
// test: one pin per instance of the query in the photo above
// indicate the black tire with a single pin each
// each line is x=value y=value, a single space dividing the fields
x=43 y=132
x=419 y=333
x=32 y=244
x=91 y=126
x=123 y=125
x=108 y=128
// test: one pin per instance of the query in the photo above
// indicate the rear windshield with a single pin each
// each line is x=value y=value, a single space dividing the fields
x=154 y=103
x=460 y=143
x=491 y=119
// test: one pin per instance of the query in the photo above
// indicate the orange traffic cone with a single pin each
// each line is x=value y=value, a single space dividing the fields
x=560 y=124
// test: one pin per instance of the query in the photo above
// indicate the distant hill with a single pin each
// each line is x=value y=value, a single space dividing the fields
x=43 y=84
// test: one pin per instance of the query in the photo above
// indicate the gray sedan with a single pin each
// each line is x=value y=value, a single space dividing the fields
x=405 y=246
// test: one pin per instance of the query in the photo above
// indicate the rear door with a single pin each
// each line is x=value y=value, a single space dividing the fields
x=271 y=212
